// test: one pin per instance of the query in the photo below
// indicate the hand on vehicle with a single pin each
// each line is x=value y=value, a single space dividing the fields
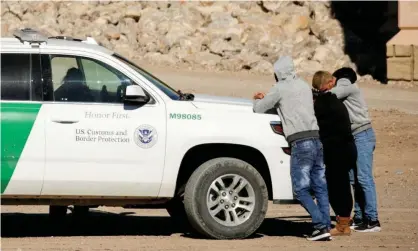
x=259 y=95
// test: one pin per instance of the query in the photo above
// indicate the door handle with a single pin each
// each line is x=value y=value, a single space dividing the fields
x=65 y=121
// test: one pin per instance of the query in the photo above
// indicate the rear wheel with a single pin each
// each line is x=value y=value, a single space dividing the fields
x=226 y=198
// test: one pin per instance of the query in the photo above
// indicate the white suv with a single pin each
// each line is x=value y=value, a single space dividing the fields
x=83 y=126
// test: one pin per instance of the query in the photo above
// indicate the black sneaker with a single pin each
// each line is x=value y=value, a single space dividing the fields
x=371 y=227
x=320 y=235
x=356 y=223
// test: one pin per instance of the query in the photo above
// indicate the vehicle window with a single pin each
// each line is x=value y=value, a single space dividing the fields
x=60 y=66
x=15 y=76
x=86 y=80
x=168 y=90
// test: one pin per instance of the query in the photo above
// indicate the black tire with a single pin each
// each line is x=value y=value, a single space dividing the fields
x=177 y=212
x=175 y=209
x=57 y=211
x=81 y=211
x=196 y=194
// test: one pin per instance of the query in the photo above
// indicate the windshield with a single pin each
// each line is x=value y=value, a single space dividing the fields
x=168 y=90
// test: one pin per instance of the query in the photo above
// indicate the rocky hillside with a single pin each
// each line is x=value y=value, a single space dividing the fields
x=232 y=36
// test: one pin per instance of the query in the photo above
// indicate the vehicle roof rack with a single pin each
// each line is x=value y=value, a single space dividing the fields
x=66 y=38
x=31 y=36
x=89 y=40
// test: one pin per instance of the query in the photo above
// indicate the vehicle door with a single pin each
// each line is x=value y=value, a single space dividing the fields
x=96 y=144
x=22 y=123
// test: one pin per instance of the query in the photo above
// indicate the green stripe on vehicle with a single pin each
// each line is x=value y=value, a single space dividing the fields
x=17 y=120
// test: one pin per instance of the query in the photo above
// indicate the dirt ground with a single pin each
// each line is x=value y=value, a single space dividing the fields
x=396 y=175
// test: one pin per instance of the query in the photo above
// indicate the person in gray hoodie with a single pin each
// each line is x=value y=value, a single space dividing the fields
x=292 y=97
x=365 y=207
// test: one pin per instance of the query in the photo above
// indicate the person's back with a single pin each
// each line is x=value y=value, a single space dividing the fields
x=365 y=212
x=348 y=91
x=340 y=153
x=292 y=98
x=333 y=119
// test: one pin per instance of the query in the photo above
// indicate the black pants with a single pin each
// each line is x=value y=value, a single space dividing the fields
x=339 y=159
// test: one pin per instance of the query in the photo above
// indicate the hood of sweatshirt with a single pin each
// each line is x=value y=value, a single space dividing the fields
x=284 y=68
x=343 y=82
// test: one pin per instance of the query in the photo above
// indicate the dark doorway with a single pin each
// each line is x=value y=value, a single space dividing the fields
x=367 y=26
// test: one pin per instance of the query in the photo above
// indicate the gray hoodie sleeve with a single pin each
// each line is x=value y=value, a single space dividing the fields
x=269 y=101
x=344 y=88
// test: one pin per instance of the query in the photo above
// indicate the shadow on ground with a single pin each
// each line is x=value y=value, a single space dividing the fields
x=367 y=27
x=99 y=223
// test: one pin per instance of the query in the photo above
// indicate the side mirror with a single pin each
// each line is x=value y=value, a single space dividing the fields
x=135 y=93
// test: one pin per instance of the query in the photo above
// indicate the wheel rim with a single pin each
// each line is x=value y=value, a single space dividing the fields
x=230 y=200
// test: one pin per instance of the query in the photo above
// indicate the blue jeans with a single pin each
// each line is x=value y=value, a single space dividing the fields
x=365 y=206
x=307 y=170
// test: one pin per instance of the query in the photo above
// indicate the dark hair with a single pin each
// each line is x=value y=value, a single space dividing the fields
x=346 y=72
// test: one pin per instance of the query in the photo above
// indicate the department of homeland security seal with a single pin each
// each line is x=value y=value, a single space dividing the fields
x=145 y=136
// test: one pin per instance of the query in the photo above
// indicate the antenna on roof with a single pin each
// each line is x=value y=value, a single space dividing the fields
x=29 y=35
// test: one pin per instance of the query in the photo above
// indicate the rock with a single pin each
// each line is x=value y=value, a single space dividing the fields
x=244 y=60
x=177 y=32
x=247 y=5
x=204 y=58
x=101 y=21
x=275 y=6
x=161 y=59
x=321 y=13
x=309 y=67
x=149 y=20
x=208 y=3
x=304 y=49
x=231 y=64
x=249 y=58
x=151 y=43
x=221 y=47
x=258 y=18
x=19 y=9
x=52 y=32
x=79 y=9
x=297 y=23
x=179 y=53
x=4 y=29
x=233 y=33
x=263 y=67
x=207 y=11
x=159 y=5
x=10 y=19
x=220 y=20
x=112 y=33
x=134 y=12
x=191 y=45
x=233 y=36
x=4 y=7
x=124 y=49
x=322 y=53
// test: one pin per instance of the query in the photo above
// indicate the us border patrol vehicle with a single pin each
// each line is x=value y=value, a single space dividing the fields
x=86 y=127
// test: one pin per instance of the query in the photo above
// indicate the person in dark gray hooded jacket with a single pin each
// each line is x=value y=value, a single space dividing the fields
x=292 y=97
x=365 y=208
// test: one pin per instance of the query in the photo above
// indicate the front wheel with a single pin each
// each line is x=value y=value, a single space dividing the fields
x=226 y=198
